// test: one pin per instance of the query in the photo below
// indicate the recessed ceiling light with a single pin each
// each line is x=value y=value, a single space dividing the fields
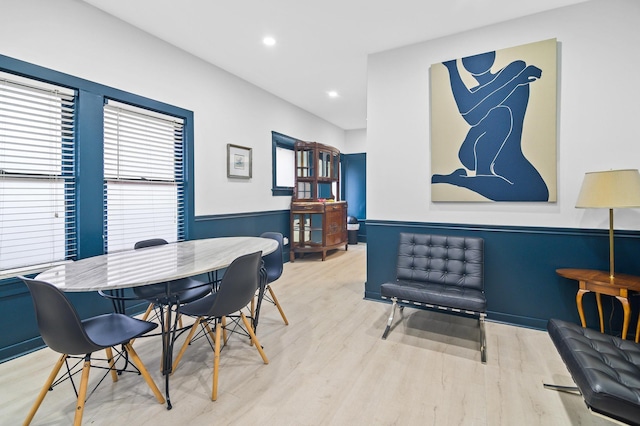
x=332 y=94
x=269 y=41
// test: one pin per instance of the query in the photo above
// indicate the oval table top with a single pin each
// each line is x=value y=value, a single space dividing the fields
x=153 y=265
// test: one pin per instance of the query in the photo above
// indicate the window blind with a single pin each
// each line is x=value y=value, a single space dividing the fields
x=285 y=164
x=143 y=176
x=37 y=175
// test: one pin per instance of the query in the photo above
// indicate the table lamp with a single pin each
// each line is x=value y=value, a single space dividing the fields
x=612 y=189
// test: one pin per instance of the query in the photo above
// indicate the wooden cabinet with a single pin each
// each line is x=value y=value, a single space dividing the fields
x=318 y=218
x=318 y=227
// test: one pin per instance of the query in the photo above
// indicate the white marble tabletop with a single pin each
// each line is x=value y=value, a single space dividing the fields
x=155 y=264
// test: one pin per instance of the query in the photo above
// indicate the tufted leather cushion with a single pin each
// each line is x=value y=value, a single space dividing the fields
x=439 y=270
x=605 y=368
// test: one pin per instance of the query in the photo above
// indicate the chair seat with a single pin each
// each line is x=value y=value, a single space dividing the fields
x=63 y=331
x=466 y=299
x=109 y=329
x=186 y=290
x=237 y=288
x=203 y=307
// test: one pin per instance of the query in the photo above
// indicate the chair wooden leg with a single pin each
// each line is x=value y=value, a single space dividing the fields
x=254 y=339
x=82 y=391
x=183 y=349
x=225 y=336
x=145 y=316
x=112 y=365
x=145 y=374
x=209 y=331
x=45 y=389
x=275 y=300
x=216 y=361
x=147 y=312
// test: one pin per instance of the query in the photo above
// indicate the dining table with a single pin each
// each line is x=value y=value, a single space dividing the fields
x=114 y=272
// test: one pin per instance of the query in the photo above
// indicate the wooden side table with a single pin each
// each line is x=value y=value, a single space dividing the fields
x=600 y=283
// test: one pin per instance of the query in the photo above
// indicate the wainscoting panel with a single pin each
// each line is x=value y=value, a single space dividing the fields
x=521 y=284
x=19 y=329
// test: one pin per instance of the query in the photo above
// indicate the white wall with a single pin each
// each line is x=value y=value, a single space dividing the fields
x=355 y=141
x=227 y=109
x=598 y=115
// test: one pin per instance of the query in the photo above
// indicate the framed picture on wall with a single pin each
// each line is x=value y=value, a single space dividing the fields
x=238 y=161
x=494 y=125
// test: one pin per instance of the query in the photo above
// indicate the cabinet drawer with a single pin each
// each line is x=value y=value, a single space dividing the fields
x=333 y=207
x=307 y=208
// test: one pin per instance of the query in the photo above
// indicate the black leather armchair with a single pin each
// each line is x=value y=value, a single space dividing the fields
x=442 y=272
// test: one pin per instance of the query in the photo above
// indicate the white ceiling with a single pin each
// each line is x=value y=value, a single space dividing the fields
x=321 y=45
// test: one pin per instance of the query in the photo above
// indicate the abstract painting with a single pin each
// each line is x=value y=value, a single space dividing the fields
x=493 y=126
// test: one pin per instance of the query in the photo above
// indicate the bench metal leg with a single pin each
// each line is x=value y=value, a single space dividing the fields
x=483 y=340
x=390 y=320
x=559 y=388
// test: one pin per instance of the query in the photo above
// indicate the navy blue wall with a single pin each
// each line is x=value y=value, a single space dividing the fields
x=242 y=224
x=20 y=333
x=521 y=284
x=354 y=189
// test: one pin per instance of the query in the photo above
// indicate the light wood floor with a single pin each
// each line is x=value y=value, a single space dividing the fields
x=328 y=367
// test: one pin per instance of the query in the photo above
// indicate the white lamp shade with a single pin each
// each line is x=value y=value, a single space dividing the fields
x=610 y=189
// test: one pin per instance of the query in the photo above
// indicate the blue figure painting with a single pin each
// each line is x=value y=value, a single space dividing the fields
x=494 y=164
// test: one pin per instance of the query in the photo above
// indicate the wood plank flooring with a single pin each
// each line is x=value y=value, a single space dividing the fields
x=328 y=367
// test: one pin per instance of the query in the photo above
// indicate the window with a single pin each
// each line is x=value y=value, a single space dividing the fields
x=283 y=162
x=37 y=174
x=143 y=176
x=82 y=174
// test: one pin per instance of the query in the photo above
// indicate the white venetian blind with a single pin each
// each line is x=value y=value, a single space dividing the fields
x=143 y=176
x=37 y=178
x=285 y=164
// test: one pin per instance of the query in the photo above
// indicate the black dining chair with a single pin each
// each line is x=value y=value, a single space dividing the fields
x=273 y=264
x=184 y=290
x=63 y=331
x=236 y=290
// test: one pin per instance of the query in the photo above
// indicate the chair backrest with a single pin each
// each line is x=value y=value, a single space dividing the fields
x=150 y=243
x=238 y=286
x=441 y=259
x=58 y=321
x=273 y=261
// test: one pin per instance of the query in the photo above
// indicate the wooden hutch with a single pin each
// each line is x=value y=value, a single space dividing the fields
x=318 y=217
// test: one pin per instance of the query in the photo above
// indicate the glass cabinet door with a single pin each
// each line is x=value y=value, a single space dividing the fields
x=305 y=191
x=307 y=229
x=304 y=163
x=335 y=166
x=324 y=164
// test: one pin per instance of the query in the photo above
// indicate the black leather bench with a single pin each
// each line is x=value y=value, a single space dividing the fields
x=441 y=272
x=606 y=369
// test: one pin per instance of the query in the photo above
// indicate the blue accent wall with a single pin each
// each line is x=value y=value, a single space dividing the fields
x=242 y=224
x=354 y=189
x=521 y=284
x=20 y=333
x=19 y=329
